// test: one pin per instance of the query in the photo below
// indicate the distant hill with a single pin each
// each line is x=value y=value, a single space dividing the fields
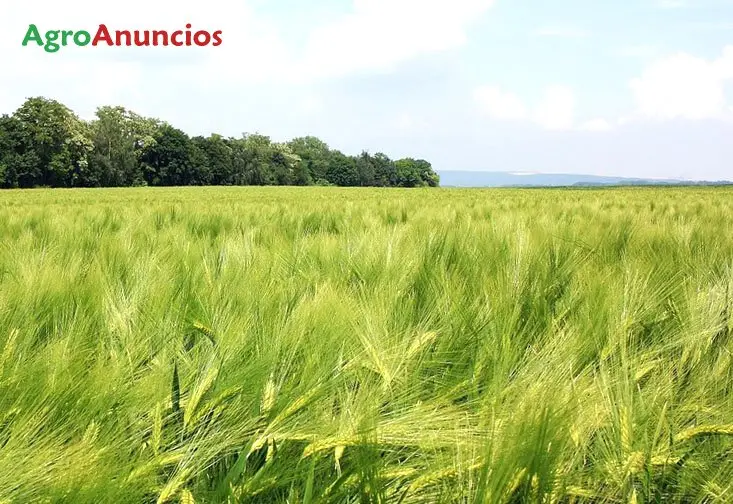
x=514 y=179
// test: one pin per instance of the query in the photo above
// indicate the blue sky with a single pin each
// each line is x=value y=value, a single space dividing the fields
x=629 y=87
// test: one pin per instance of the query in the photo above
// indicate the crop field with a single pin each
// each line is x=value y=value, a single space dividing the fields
x=326 y=345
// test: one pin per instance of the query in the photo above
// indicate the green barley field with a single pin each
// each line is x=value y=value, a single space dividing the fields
x=325 y=345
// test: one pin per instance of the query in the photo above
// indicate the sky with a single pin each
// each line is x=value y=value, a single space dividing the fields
x=639 y=88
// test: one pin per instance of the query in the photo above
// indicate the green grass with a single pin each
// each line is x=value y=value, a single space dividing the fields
x=323 y=345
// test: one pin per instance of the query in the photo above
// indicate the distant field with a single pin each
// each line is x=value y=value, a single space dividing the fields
x=303 y=345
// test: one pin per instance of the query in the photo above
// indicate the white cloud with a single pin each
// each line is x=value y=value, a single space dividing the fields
x=683 y=87
x=404 y=122
x=408 y=122
x=378 y=34
x=710 y=26
x=671 y=4
x=562 y=32
x=556 y=111
x=637 y=51
x=596 y=125
x=311 y=105
x=500 y=104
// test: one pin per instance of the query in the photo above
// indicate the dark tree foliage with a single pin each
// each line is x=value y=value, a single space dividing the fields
x=342 y=170
x=10 y=158
x=44 y=144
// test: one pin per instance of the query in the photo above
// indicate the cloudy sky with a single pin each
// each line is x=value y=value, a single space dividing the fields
x=622 y=87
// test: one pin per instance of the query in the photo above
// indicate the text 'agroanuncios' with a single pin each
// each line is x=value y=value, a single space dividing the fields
x=53 y=40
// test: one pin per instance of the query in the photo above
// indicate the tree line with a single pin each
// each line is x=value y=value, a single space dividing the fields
x=44 y=144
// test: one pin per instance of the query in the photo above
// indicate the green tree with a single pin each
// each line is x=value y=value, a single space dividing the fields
x=427 y=174
x=171 y=160
x=366 y=169
x=9 y=133
x=45 y=144
x=218 y=159
x=315 y=155
x=257 y=159
x=408 y=174
x=285 y=164
x=120 y=139
x=385 y=172
x=20 y=167
x=416 y=173
x=342 y=170
x=240 y=162
x=54 y=145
